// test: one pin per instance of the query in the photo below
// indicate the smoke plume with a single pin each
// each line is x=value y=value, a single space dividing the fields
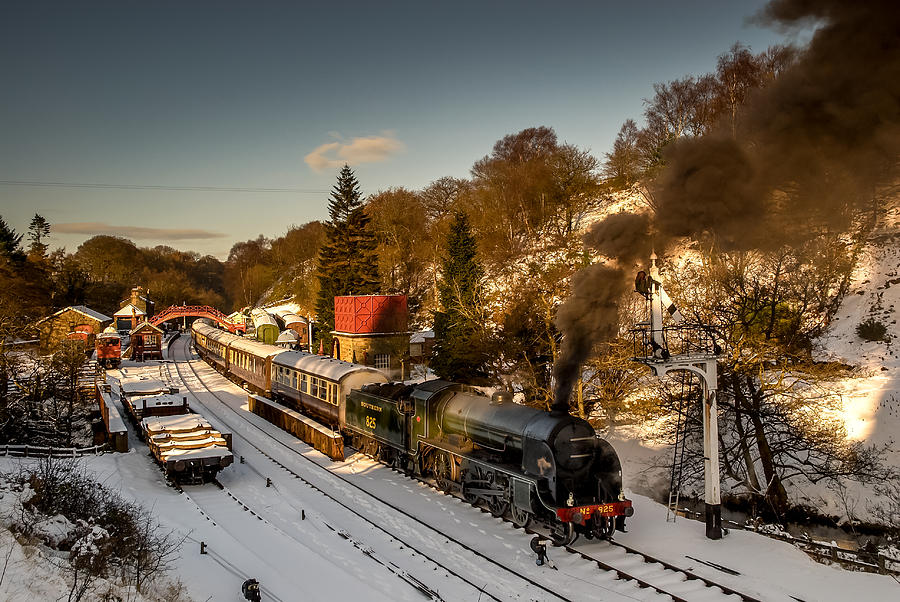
x=808 y=152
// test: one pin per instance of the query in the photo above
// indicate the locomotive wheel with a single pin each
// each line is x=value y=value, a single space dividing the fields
x=563 y=534
x=470 y=479
x=442 y=471
x=520 y=518
x=497 y=506
x=603 y=528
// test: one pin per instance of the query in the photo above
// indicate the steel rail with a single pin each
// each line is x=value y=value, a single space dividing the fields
x=354 y=485
x=621 y=573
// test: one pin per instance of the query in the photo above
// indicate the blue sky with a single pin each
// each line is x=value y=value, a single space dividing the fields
x=273 y=96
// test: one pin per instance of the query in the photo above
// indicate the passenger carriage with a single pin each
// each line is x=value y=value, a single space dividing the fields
x=212 y=343
x=319 y=384
x=265 y=326
x=250 y=361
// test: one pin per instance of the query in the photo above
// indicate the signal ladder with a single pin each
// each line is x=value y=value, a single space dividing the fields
x=677 y=475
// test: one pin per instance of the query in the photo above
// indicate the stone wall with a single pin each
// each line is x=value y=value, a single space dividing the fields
x=54 y=330
x=367 y=346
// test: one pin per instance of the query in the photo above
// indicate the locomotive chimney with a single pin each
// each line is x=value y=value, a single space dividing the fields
x=501 y=397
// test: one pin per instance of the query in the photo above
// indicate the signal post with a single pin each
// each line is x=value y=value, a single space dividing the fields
x=697 y=353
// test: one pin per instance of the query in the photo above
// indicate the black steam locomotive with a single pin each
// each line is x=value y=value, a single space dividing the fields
x=518 y=461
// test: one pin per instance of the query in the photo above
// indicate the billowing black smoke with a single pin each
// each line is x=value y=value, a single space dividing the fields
x=808 y=152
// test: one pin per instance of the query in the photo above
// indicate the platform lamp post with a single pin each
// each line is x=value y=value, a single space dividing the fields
x=703 y=363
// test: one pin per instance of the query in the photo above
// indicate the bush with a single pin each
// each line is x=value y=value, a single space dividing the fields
x=134 y=547
x=872 y=330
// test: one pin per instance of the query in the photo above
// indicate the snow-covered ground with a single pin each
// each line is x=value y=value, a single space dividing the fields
x=320 y=538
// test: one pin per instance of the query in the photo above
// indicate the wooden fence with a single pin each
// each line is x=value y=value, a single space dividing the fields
x=39 y=451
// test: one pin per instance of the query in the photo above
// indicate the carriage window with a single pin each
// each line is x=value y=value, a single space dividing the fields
x=294 y=379
x=303 y=383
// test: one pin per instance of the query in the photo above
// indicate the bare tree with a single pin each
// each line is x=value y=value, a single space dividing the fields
x=780 y=414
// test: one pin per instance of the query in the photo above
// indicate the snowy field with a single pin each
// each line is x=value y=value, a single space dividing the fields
x=316 y=534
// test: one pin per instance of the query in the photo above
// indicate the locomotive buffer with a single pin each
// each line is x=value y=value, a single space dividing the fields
x=691 y=348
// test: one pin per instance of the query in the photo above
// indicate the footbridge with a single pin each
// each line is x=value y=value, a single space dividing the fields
x=196 y=311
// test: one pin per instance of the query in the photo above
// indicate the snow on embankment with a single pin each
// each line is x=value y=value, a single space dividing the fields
x=872 y=397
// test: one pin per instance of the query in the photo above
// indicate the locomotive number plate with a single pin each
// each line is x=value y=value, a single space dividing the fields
x=370 y=422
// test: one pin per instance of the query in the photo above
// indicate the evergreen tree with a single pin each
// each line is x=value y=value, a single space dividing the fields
x=9 y=242
x=459 y=350
x=37 y=232
x=348 y=262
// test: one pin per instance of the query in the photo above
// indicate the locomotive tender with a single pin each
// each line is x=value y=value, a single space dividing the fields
x=517 y=460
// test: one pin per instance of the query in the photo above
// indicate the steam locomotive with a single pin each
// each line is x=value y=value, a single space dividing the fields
x=520 y=462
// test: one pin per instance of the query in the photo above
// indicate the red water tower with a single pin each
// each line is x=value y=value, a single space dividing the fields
x=372 y=330
x=370 y=314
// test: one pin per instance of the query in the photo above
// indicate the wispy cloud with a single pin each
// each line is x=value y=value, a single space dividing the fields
x=365 y=149
x=137 y=232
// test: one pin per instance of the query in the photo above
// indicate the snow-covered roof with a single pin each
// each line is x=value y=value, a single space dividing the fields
x=288 y=336
x=289 y=317
x=261 y=317
x=255 y=347
x=116 y=424
x=144 y=326
x=323 y=366
x=82 y=309
x=216 y=334
x=193 y=454
x=129 y=310
x=419 y=337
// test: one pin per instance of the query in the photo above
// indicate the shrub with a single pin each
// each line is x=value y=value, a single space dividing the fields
x=135 y=548
x=872 y=330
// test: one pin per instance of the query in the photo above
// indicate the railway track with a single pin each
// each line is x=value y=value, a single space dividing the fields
x=648 y=574
x=479 y=588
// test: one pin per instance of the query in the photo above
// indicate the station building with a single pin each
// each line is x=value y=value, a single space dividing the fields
x=73 y=319
x=146 y=342
x=134 y=310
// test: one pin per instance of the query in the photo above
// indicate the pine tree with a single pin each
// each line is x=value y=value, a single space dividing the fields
x=348 y=262
x=9 y=242
x=459 y=351
x=37 y=232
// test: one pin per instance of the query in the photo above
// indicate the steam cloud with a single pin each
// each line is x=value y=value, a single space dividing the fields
x=811 y=148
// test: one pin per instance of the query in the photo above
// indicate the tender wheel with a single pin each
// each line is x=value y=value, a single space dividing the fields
x=520 y=518
x=563 y=534
x=497 y=506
